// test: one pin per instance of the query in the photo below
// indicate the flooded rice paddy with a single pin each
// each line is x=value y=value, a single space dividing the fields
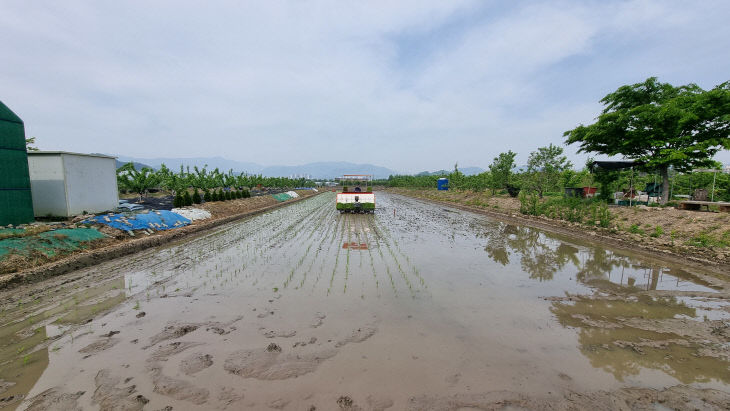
x=415 y=307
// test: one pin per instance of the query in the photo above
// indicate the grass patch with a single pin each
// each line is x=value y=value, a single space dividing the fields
x=575 y=210
x=634 y=229
x=658 y=232
x=707 y=240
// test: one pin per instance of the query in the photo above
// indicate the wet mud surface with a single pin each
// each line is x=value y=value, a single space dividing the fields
x=434 y=309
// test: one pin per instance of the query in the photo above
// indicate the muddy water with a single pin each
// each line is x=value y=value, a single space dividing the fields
x=409 y=308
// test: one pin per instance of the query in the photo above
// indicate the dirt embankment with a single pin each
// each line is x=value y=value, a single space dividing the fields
x=18 y=269
x=698 y=236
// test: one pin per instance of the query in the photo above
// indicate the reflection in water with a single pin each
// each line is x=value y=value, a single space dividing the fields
x=21 y=364
x=354 y=245
x=543 y=255
x=24 y=343
x=624 y=350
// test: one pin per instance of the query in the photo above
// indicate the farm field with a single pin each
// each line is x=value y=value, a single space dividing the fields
x=418 y=306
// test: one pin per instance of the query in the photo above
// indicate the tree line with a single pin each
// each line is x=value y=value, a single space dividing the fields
x=668 y=132
x=207 y=181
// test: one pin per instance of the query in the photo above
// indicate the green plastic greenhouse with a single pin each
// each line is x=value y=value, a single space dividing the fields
x=16 y=204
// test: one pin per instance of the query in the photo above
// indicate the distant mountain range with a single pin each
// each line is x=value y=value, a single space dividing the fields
x=469 y=171
x=319 y=170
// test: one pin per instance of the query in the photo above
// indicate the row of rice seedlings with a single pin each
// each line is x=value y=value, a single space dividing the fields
x=314 y=219
x=295 y=228
x=332 y=235
x=337 y=256
x=323 y=236
x=347 y=264
x=377 y=227
x=385 y=262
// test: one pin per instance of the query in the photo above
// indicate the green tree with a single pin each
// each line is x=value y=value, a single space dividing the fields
x=137 y=181
x=456 y=178
x=196 y=197
x=544 y=168
x=30 y=144
x=171 y=181
x=206 y=196
x=501 y=170
x=660 y=126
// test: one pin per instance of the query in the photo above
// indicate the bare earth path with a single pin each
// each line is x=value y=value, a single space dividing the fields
x=433 y=308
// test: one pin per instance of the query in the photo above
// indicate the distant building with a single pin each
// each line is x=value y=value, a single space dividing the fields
x=65 y=184
x=16 y=206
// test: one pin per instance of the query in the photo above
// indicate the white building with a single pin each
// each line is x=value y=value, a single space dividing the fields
x=66 y=184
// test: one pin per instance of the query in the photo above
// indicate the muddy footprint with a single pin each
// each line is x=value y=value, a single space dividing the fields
x=195 y=363
x=272 y=364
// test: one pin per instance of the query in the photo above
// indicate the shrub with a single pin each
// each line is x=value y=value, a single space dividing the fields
x=206 y=196
x=177 y=202
x=658 y=231
x=228 y=195
x=246 y=193
x=529 y=204
x=634 y=229
x=576 y=210
x=187 y=200
x=221 y=195
x=196 y=197
x=707 y=240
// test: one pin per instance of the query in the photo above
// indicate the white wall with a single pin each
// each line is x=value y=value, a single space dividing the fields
x=65 y=184
x=91 y=184
x=47 y=185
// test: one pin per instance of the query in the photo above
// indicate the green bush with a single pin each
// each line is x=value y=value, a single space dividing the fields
x=707 y=240
x=206 y=196
x=575 y=210
x=658 y=231
x=177 y=201
x=196 y=197
x=245 y=193
x=634 y=229
x=187 y=200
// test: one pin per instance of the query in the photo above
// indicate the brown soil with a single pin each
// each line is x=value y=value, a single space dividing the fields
x=444 y=310
x=15 y=269
x=678 y=226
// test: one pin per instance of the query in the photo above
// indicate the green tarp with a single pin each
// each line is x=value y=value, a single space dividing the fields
x=281 y=197
x=49 y=243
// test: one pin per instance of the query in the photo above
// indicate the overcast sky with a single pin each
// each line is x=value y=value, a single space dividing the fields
x=411 y=85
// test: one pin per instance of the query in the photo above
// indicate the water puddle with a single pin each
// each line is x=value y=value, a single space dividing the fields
x=304 y=307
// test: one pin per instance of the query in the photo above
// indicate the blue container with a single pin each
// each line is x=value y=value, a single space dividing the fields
x=442 y=184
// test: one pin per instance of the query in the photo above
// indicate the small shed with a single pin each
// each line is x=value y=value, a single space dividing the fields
x=16 y=206
x=65 y=184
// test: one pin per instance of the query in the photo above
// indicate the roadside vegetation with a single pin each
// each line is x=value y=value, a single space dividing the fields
x=208 y=185
x=671 y=134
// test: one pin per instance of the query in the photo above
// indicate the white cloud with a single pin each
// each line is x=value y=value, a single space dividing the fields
x=291 y=82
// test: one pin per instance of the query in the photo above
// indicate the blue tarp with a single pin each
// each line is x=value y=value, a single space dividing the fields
x=154 y=220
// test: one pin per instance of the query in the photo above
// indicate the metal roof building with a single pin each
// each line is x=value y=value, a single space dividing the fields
x=16 y=204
